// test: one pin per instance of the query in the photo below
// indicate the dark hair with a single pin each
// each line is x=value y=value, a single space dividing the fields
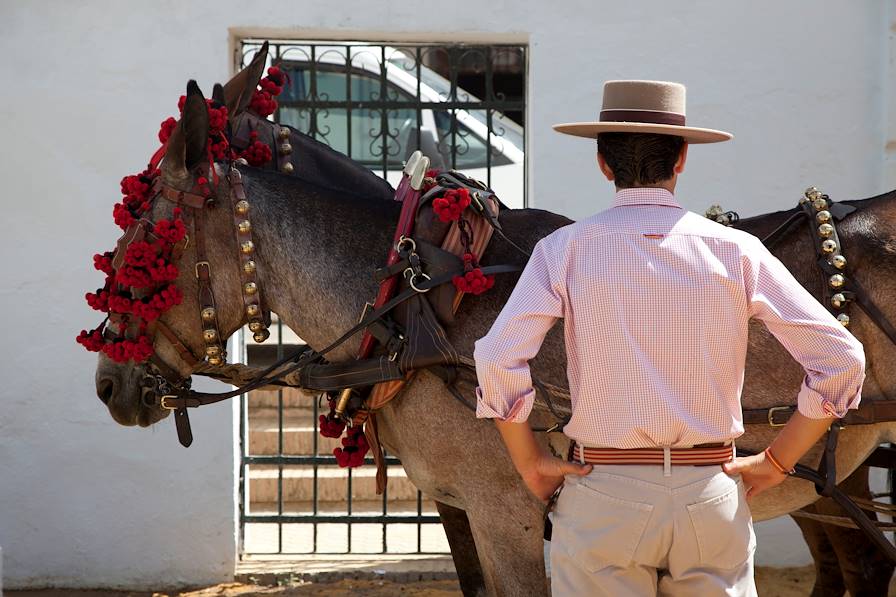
x=639 y=159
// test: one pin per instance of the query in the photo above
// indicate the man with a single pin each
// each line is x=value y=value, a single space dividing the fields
x=655 y=301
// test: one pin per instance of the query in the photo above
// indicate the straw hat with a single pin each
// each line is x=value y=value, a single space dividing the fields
x=643 y=107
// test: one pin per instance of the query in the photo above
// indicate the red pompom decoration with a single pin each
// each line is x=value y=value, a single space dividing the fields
x=451 y=205
x=330 y=426
x=473 y=280
x=257 y=153
x=167 y=127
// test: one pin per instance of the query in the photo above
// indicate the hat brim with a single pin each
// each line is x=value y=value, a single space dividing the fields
x=691 y=134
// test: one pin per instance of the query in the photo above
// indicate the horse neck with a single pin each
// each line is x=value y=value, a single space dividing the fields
x=317 y=249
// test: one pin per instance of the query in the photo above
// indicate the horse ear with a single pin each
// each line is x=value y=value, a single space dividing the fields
x=218 y=94
x=188 y=141
x=238 y=90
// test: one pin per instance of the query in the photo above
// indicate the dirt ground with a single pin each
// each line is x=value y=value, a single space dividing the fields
x=771 y=582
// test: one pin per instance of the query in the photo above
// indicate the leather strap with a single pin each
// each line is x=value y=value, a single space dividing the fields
x=869 y=412
x=252 y=301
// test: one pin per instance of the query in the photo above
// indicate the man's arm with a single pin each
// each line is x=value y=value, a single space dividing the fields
x=502 y=358
x=833 y=358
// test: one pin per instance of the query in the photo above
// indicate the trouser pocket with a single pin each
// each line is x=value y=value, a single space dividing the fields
x=599 y=529
x=723 y=526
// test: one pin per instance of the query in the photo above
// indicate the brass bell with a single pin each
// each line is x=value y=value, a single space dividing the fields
x=825 y=230
x=215 y=361
x=812 y=193
x=804 y=199
x=252 y=310
x=829 y=246
x=250 y=288
x=208 y=314
x=247 y=247
x=823 y=216
x=242 y=207
x=287 y=168
x=256 y=326
x=213 y=351
x=843 y=318
x=286 y=149
x=249 y=267
x=261 y=336
x=210 y=335
x=284 y=133
x=837 y=281
x=838 y=261
x=838 y=300
x=820 y=204
x=244 y=227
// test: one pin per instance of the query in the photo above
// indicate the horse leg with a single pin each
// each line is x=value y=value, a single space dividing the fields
x=866 y=570
x=463 y=549
x=828 y=577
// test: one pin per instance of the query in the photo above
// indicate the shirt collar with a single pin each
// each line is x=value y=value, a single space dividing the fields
x=644 y=196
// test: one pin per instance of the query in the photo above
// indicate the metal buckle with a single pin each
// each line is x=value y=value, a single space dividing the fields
x=164 y=403
x=405 y=239
x=198 y=263
x=413 y=275
x=771 y=415
x=367 y=307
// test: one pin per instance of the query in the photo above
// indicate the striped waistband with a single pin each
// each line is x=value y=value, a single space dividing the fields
x=697 y=455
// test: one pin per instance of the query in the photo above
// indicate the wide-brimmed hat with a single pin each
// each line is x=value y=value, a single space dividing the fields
x=643 y=107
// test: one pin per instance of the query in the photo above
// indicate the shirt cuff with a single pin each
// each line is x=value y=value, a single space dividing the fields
x=813 y=405
x=518 y=411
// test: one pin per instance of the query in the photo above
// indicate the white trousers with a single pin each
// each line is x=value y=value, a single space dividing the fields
x=629 y=530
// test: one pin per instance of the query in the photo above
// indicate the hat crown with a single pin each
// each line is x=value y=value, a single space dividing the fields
x=654 y=96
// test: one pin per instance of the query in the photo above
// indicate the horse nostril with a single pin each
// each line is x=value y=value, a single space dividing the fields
x=105 y=389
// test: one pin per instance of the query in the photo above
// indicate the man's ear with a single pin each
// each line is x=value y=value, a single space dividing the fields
x=682 y=158
x=607 y=171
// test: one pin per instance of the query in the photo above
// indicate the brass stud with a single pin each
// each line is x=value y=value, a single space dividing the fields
x=838 y=261
x=838 y=300
x=247 y=247
x=820 y=204
x=825 y=230
x=287 y=168
x=261 y=336
x=213 y=351
x=242 y=207
x=812 y=193
x=249 y=267
x=210 y=335
x=804 y=199
x=253 y=310
x=245 y=227
x=215 y=361
x=823 y=216
x=829 y=246
x=241 y=161
x=837 y=281
x=208 y=314
x=284 y=133
x=286 y=149
x=256 y=326
x=843 y=318
x=250 y=288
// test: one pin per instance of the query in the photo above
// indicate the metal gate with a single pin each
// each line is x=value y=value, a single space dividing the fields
x=464 y=107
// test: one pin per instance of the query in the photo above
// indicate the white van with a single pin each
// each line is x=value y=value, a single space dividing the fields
x=356 y=73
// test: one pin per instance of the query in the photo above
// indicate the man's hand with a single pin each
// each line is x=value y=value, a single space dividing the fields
x=545 y=474
x=757 y=472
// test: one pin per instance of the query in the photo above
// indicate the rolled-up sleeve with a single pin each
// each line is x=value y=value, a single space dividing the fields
x=502 y=356
x=834 y=360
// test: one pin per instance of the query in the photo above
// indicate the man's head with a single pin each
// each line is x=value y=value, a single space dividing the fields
x=641 y=159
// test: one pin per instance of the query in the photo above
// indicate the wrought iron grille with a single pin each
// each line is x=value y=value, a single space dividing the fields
x=464 y=107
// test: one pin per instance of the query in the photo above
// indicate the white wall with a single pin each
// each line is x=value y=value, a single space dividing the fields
x=84 y=86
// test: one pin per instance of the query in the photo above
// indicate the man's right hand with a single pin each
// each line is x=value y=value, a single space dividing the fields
x=545 y=474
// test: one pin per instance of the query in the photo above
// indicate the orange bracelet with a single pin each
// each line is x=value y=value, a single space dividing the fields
x=775 y=463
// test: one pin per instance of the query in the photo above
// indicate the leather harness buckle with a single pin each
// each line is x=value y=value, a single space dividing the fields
x=164 y=402
x=205 y=263
x=771 y=415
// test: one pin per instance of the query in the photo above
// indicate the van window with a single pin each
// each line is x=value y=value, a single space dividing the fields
x=471 y=148
x=339 y=126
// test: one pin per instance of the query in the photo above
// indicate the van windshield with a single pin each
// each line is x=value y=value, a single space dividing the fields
x=502 y=126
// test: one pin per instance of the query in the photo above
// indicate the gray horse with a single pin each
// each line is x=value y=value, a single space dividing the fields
x=317 y=246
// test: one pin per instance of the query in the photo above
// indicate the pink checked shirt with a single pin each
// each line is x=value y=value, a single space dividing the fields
x=655 y=302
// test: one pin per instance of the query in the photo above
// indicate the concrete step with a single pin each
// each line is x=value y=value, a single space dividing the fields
x=292 y=397
x=299 y=434
x=332 y=484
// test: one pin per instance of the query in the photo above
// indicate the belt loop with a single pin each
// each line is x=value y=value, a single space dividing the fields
x=667 y=461
x=581 y=453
